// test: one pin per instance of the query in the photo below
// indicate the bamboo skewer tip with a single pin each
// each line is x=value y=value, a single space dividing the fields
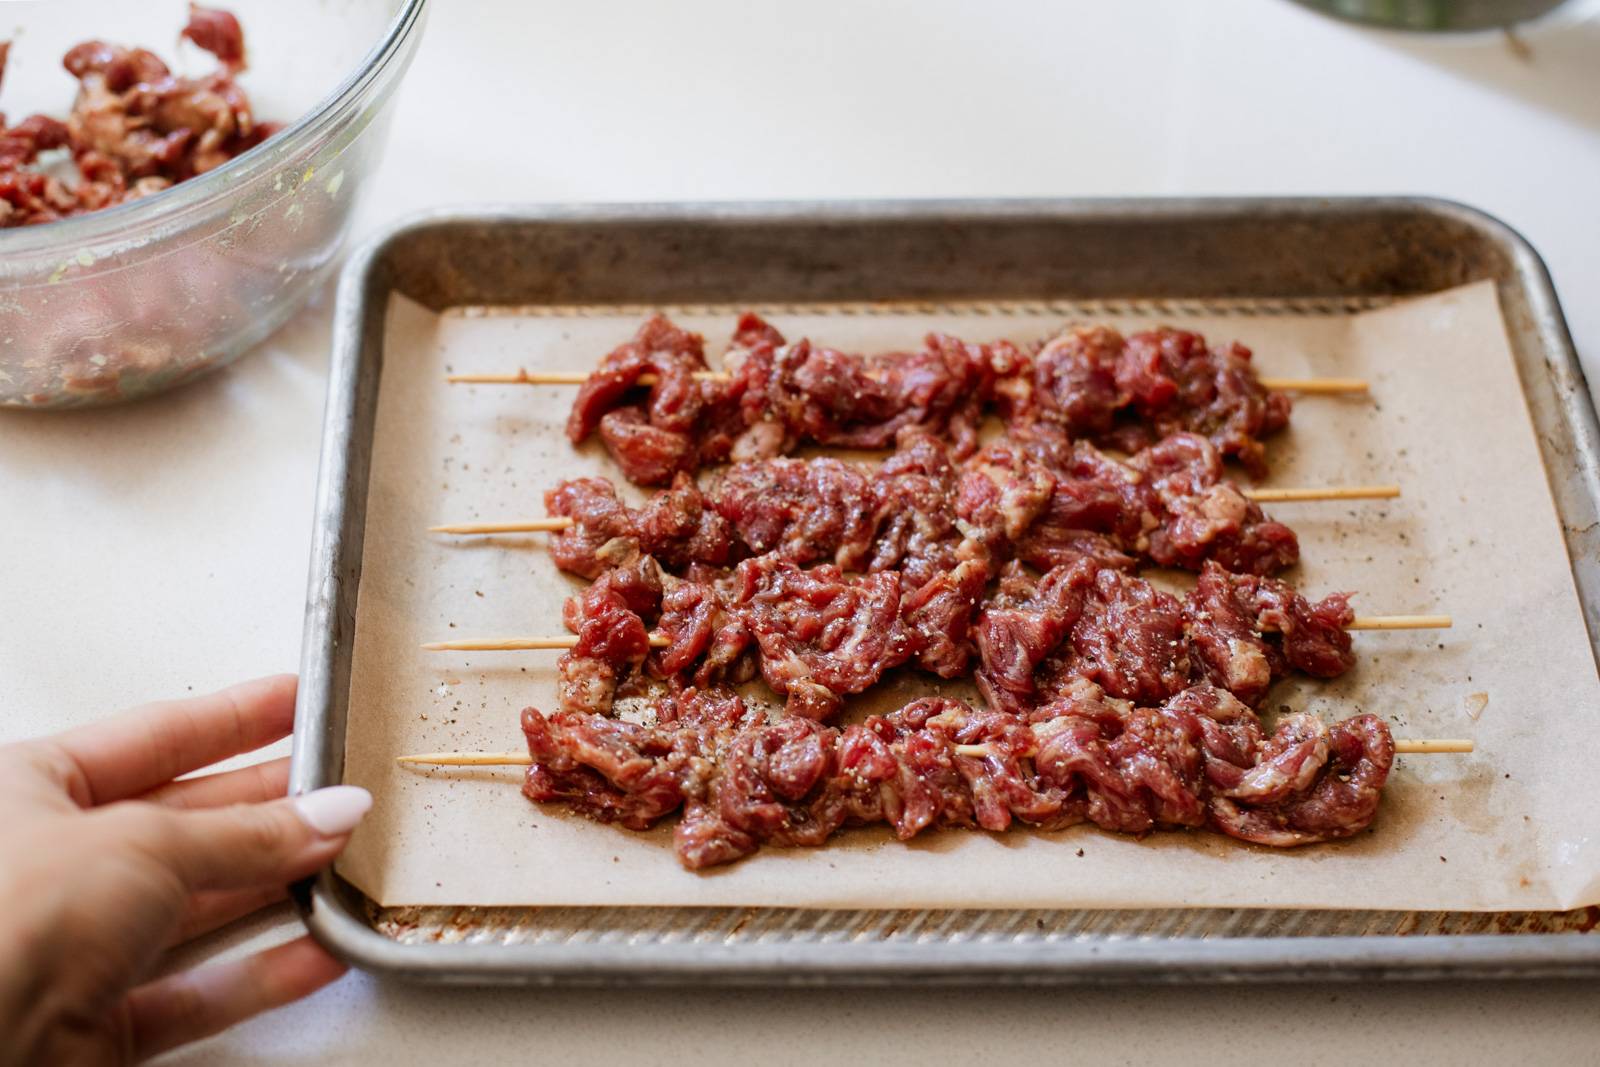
x=1401 y=622
x=1316 y=386
x=1421 y=746
x=468 y=759
x=551 y=524
x=519 y=644
x=521 y=377
x=1331 y=492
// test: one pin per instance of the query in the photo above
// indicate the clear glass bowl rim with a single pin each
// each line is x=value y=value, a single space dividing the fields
x=124 y=220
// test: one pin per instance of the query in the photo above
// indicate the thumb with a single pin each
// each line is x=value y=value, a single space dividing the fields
x=251 y=844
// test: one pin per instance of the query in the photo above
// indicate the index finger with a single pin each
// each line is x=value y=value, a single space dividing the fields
x=141 y=749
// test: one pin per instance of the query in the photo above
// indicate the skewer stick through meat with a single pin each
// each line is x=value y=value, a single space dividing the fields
x=752 y=573
x=563 y=641
x=520 y=644
x=661 y=410
x=1309 y=386
x=819 y=635
x=1260 y=496
x=1403 y=746
x=1420 y=746
x=1195 y=759
x=1033 y=495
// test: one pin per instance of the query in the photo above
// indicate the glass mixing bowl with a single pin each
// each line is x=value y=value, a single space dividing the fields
x=141 y=297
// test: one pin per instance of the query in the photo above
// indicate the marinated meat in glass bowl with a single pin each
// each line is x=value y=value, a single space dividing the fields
x=164 y=207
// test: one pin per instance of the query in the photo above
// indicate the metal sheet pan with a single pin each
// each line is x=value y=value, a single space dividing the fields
x=1339 y=251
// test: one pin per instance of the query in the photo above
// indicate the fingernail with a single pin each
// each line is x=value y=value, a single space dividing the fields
x=334 y=810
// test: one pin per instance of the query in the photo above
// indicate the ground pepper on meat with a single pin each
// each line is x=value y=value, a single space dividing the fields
x=803 y=510
x=806 y=393
x=135 y=128
x=1198 y=760
x=814 y=635
x=1037 y=638
x=775 y=396
x=1247 y=631
x=1128 y=393
x=608 y=618
x=1204 y=518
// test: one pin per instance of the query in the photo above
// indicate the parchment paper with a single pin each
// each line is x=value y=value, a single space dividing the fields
x=1476 y=535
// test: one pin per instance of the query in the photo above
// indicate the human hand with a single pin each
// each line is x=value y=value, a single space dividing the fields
x=106 y=862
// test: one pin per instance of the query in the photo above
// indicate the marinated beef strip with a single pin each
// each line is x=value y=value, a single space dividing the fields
x=806 y=393
x=1039 y=637
x=1033 y=495
x=916 y=527
x=1090 y=383
x=608 y=618
x=814 y=635
x=1198 y=759
x=1245 y=632
x=900 y=517
x=1128 y=393
x=135 y=128
x=802 y=510
x=678 y=527
x=1037 y=495
x=707 y=641
x=681 y=424
x=617 y=771
x=1079 y=621
x=1049 y=500
x=1205 y=518
x=775 y=396
x=821 y=637
x=818 y=635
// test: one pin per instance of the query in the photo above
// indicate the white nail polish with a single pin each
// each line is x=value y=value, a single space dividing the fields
x=334 y=810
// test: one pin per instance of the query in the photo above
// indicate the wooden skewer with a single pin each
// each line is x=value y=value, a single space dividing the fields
x=469 y=759
x=1427 y=746
x=1317 y=386
x=1422 y=746
x=1400 y=622
x=527 y=644
x=1309 y=386
x=559 y=522
x=525 y=377
x=1331 y=492
x=520 y=644
x=1265 y=496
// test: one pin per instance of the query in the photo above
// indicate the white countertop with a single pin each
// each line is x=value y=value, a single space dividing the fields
x=163 y=547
